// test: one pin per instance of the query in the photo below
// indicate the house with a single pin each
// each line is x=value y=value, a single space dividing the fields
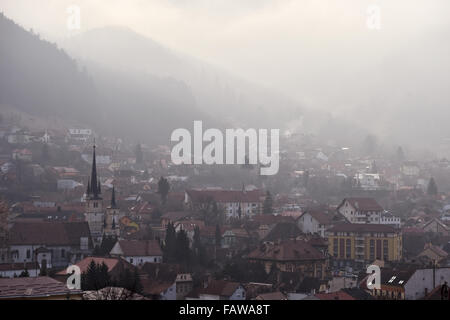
x=38 y=288
x=218 y=290
x=236 y=204
x=291 y=256
x=409 y=283
x=277 y=295
x=53 y=244
x=12 y=270
x=355 y=245
x=22 y=154
x=283 y=231
x=433 y=254
x=159 y=290
x=138 y=252
x=184 y=285
x=361 y=210
x=436 y=226
x=314 y=222
x=163 y=281
x=368 y=181
x=235 y=237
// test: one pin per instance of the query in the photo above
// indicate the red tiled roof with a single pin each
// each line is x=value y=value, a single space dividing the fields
x=49 y=233
x=320 y=216
x=221 y=288
x=339 y=295
x=84 y=264
x=19 y=266
x=290 y=250
x=33 y=287
x=140 y=248
x=364 y=204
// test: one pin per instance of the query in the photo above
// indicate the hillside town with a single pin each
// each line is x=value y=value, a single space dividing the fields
x=139 y=227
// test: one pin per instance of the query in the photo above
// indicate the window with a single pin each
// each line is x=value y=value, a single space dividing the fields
x=28 y=254
x=372 y=249
x=335 y=247
x=84 y=243
x=131 y=260
x=348 y=249
x=385 y=250
x=63 y=253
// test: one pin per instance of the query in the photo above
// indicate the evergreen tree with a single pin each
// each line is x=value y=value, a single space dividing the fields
x=163 y=189
x=182 y=249
x=432 y=189
x=198 y=248
x=96 y=277
x=268 y=202
x=218 y=236
x=169 y=244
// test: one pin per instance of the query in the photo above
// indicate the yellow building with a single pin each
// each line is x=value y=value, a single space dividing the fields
x=358 y=244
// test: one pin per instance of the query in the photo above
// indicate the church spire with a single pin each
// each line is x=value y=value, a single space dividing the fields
x=95 y=190
x=113 y=198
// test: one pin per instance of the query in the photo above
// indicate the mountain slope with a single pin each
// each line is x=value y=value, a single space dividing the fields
x=39 y=78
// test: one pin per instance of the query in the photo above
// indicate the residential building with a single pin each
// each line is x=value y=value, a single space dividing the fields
x=218 y=290
x=361 y=210
x=291 y=256
x=51 y=244
x=236 y=204
x=138 y=252
x=314 y=222
x=357 y=244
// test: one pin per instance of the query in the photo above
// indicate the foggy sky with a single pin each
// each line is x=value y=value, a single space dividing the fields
x=319 y=52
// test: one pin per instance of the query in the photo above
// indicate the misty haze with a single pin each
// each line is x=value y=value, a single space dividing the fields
x=224 y=150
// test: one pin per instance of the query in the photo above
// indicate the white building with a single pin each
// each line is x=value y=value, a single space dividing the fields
x=138 y=252
x=361 y=210
x=314 y=222
x=389 y=219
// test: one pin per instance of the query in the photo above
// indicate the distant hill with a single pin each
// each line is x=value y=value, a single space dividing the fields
x=217 y=93
x=39 y=78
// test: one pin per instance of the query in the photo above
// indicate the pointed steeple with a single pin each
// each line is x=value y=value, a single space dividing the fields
x=88 y=190
x=95 y=184
x=113 y=198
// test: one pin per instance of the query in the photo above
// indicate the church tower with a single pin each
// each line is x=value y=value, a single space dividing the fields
x=94 y=204
x=112 y=217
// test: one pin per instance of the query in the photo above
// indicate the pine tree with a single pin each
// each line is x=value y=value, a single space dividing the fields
x=169 y=244
x=182 y=249
x=268 y=202
x=163 y=189
x=432 y=189
x=218 y=236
